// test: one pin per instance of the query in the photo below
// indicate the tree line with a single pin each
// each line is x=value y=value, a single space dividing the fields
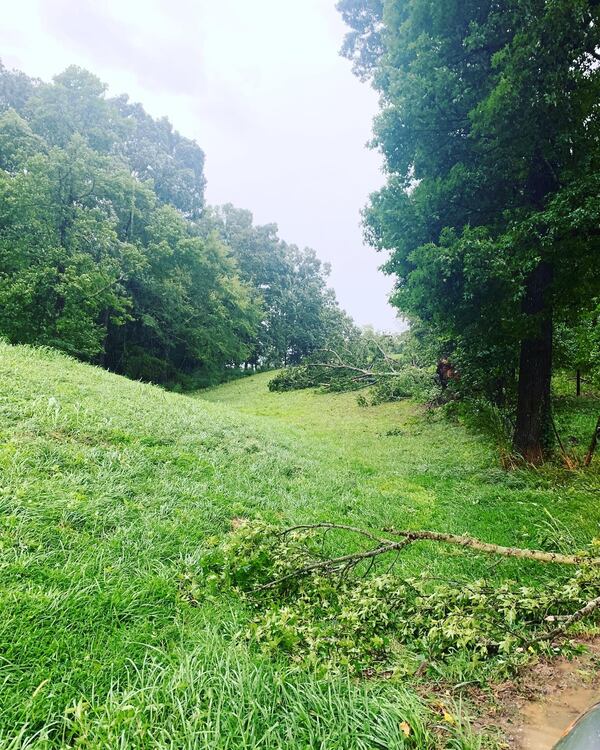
x=489 y=128
x=109 y=252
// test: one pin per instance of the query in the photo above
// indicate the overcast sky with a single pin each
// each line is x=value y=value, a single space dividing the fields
x=259 y=84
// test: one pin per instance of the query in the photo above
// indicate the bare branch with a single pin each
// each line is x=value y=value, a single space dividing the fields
x=496 y=549
x=340 y=364
x=384 y=354
x=336 y=563
x=566 y=622
x=352 y=368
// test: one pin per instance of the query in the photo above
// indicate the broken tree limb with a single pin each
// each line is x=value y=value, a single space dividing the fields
x=496 y=549
x=403 y=538
x=340 y=364
x=462 y=541
x=566 y=622
x=351 y=368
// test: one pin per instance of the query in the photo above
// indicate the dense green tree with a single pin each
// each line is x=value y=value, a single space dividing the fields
x=16 y=89
x=299 y=311
x=263 y=264
x=76 y=102
x=156 y=152
x=192 y=316
x=306 y=300
x=489 y=128
x=101 y=260
x=61 y=260
x=108 y=252
x=17 y=141
x=90 y=262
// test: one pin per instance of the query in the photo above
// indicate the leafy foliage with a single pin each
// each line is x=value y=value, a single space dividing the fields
x=294 y=379
x=384 y=621
x=108 y=252
x=410 y=382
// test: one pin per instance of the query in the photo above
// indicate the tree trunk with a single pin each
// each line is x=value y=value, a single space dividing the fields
x=593 y=444
x=533 y=430
x=578 y=377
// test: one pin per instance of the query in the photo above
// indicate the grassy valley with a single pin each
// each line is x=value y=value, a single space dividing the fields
x=111 y=491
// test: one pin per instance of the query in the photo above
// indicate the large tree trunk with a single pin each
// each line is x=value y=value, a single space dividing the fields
x=533 y=430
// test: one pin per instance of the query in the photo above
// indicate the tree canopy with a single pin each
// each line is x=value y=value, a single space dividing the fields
x=108 y=251
x=489 y=129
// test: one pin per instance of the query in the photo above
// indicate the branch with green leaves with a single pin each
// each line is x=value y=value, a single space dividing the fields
x=401 y=539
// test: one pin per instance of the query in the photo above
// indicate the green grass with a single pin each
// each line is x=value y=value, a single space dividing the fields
x=399 y=465
x=109 y=490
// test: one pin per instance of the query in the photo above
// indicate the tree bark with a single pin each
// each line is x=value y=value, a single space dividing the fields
x=593 y=444
x=533 y=430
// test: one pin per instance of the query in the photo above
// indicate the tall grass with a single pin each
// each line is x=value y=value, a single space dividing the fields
x=221 y=698
x=109 y=492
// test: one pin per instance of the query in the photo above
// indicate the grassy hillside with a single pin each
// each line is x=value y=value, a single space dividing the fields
x=109 y=491
x=399 y=465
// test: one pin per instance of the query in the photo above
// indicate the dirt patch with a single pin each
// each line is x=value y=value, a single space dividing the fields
x=546 y=720
x=534 y=711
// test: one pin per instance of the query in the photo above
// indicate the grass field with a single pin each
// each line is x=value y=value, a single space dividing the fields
x=109 y=490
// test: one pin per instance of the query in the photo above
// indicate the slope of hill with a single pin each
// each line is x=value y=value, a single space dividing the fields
x=109 y=492
x=405 y=466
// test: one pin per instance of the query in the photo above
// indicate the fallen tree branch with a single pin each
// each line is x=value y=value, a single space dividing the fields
x=351 y=368
x=496 y=549
x=566 y=622
x=462 y=541
x=344 y=564
x=340 y=364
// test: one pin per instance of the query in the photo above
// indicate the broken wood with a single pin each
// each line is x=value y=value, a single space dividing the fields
x=566 y=622
x=462 y=541
x=345 y=563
